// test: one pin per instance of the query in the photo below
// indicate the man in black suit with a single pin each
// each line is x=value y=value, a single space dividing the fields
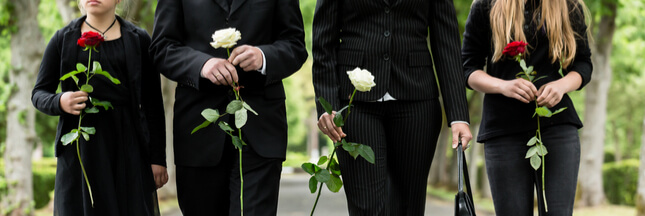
x=400 y=118
x=272 y=48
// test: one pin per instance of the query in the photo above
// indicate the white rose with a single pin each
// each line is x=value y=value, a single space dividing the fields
x=226 y=38
x=361 y=79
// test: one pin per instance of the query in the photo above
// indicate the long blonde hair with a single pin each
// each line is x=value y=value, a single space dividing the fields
x=507 y=19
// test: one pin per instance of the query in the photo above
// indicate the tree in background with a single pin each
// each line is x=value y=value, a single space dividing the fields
x=26 y=52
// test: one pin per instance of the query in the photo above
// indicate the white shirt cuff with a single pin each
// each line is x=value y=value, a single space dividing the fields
x=455 y=122
x=263 y=70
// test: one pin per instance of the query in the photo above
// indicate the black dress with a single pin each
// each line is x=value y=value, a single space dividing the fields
x=114 y=158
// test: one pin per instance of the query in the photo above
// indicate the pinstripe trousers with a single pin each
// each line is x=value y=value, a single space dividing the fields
x=403 y=135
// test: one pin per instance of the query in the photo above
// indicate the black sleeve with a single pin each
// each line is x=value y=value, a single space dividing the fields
x=44 y=96
x=286 y=54
x=152 y=104
x=444 y=42
x=476 y=43
x=582 y=61
x=174 y=59
x=326 y=39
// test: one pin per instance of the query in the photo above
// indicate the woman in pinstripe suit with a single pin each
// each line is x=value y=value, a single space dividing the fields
x=400 y=118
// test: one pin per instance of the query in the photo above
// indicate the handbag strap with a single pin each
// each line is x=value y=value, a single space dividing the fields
x=463 y=172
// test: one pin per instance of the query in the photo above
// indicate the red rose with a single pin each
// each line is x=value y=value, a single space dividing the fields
x=514 y=48
x=90 y=39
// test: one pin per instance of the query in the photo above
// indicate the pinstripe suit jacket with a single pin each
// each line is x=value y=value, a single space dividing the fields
x=389 y=38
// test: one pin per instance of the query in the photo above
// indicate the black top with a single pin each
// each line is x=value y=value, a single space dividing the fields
x=503 y=115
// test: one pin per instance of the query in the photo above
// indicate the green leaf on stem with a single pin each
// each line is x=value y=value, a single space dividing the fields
x=539 y=78
x=69 y=137
x=241 y=116
x=322 y=160
x=106 y=75
x=559 y=111
x=309 y=168
x=326 y=105
x=523 y=65
x=86 y=136
x=322 y=175
x=75 y=79
x=532 y=151
x=366 y=152
x=203 y=125
x=334 y=184
x=225 y=127
x=80 y=67
x=234 y=106
x=338 y=120
x=87 y=88
x=210 y=115
x=352 y=149
x=313 y=184
x=92 y=110
x=542 y=150
x=105 y=104
x=89 y=130
x=532 y=141
x=248 y=107
x=237 y=142
x=536 y=161
x=70 y=74
x=334 y=167
x=543 y=111
x=96 y=66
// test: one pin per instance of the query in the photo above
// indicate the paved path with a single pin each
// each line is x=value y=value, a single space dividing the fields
x=295 y=200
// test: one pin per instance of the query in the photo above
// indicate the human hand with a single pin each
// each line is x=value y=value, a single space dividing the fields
x=327 y=126
x=249 y=58
x=160 y=175
x=73 y=102
x=219 y=72
x=461 y=132
x=550 y=94
x=520 y=89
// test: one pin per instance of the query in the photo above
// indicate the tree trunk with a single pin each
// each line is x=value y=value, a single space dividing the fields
x=640 y=195
x=170 y=189
x=26 y=51
x=439 y=175
x=67 y=10
x=593 y=134
x=313 y=137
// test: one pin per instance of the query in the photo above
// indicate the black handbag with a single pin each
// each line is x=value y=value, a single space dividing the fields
x=463 y=200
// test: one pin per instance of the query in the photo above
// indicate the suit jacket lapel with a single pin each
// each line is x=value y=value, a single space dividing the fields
x=223 y=4
x=236 y=5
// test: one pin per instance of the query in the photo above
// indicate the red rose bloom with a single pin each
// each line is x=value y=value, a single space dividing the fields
x=514 y=48
x=90 y=39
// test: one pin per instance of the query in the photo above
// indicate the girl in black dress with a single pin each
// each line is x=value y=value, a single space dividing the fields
x=125 y=158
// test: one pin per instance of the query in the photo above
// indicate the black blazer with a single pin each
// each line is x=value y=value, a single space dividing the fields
x=61 y=57
x=389 y=38
x=180 y=47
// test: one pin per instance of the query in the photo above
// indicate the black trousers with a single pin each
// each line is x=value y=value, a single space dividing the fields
x=513 y=180
x=403 y=135
x=216 y=190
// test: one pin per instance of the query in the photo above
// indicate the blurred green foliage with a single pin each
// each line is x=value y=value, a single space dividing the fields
x=620 y=180
x=44 y=174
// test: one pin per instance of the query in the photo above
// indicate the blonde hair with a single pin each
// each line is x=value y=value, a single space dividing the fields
x=507 y=19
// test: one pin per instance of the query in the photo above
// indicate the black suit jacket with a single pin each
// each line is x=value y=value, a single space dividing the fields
x=180 y=47
x=61 y=57
x=389 y=38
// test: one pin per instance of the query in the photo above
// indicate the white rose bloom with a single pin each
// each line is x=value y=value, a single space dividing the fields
x=226 y=38
x=361 y=79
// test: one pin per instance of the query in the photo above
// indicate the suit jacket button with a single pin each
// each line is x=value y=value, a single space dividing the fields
x=386 y=33
x=386 y=57
x=387 y=10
